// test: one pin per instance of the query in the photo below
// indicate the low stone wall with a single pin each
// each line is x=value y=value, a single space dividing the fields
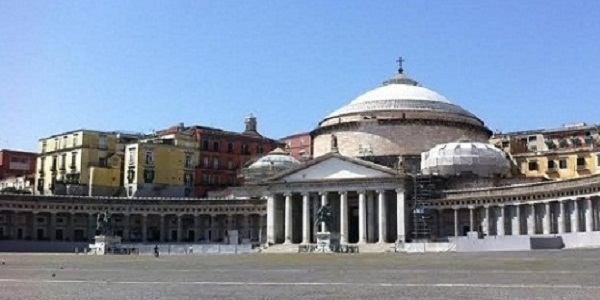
x=428 y=247
x=492 y=243
x=41 y=246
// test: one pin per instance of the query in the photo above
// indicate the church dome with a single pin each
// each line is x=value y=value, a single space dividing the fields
x=275 y=159
x=465 y=157
x=400 y=93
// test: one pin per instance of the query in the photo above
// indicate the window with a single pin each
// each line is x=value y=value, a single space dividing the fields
x=245 y=149
x=188 y=179
x=56 y=144
x=581 y=162
x=188 y=160
x=216 y=146
x=73 y=160
x=216 y=180
x=598 y=160
x=205 y=179
x=551 y=165
x=533 y=166
x=205 y=162
x=532 y=138
x=132 y=156
x=63 y=161
x=102 y=141
x=75 y=138
x=505 y=144
x=205 y=145
x=43 y=147
x=65 y=141
x=229 y=147
x=42 y=160
x=230 y=180
x=102 y=162
x=259 y=149
x=148 y=175
x=562 y=163
x=149 y=157
x=54 y=162
x=230 y=165
x=215 y=163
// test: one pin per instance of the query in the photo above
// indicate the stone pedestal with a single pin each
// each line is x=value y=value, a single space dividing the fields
x=104 y=244
x=327 y=242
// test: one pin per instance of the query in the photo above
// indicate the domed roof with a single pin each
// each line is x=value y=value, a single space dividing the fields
x=454 y=158
x=400 y=93
x=275 y=159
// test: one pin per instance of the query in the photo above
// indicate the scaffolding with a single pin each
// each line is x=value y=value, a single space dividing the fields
x=424 y=188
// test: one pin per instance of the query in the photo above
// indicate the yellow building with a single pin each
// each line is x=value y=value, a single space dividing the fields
x=567 y=152
x=161 y=167
x=82 y=162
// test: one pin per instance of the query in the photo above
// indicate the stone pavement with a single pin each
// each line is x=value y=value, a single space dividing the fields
x=508 y=275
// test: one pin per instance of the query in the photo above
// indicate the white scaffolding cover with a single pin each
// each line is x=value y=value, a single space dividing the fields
x=482 y=159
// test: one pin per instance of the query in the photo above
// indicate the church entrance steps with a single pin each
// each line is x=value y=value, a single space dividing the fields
x=281 y=248
x=375 y=248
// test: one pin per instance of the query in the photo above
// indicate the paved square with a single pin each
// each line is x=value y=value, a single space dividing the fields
x=508 y=275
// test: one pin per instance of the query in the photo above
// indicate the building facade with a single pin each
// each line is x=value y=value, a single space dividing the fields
x=561 y=153
x=299 y=145
x=16 y=163
x=82 y=162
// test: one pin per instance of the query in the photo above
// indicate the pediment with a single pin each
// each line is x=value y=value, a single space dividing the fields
x=338 y=168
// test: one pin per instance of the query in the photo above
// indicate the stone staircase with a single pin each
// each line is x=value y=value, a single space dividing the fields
x=281 y=248
x=376 y=248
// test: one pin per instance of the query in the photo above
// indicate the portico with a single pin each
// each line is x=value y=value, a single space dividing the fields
x=367 y=201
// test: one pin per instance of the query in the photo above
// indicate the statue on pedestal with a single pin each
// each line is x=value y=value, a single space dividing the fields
x=103 y=223
x=324 y=215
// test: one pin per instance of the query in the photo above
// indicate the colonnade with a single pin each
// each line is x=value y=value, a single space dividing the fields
x=291 y=216
x=524 y=218
x=163 y=227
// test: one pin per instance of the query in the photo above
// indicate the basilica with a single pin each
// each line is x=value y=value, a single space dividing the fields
x=401 y=166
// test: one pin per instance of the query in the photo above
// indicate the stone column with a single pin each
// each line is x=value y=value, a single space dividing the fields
x=144 y=228
x=179 y=228
x=288 y=219
x=455 y=221
x=343 y=218
x=305 y=218
x=486 y=221
x=245 y=227
x=271 y=219
x=323 y=203
x=362 y=218
x=516 y=220
x=382 y=217
x=260 y=228
x=52 y=231
x=546 y=218
x=370 y=217
x=126 y=227
x=197 y=230
x=471 y=219
x=531 y=220
x=162 y=228
x=91 y=227
x=500 y=221
x=575 y=217
x=400 y=225
x=589 y=221
x=561 y=217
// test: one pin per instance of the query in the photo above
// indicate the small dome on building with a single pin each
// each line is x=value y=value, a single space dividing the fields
x=465 y=157
x=275 y=159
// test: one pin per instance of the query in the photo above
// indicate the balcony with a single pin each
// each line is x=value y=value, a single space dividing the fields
x=582 y=167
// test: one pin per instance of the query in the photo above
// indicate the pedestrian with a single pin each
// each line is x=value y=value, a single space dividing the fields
x=156 y=254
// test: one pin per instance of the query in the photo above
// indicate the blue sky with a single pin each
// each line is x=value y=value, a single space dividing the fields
x=143 y=65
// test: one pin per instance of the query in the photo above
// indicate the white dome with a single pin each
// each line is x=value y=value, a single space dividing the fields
x=275 y=159
x=403 y=94
x=450 y=159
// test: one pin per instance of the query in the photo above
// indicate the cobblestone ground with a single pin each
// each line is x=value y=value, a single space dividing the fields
x=509 y=275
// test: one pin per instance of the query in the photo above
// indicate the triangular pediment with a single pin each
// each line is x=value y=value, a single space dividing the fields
x=337 y=167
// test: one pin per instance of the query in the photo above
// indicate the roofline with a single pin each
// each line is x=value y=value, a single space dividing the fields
x=296 y=135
